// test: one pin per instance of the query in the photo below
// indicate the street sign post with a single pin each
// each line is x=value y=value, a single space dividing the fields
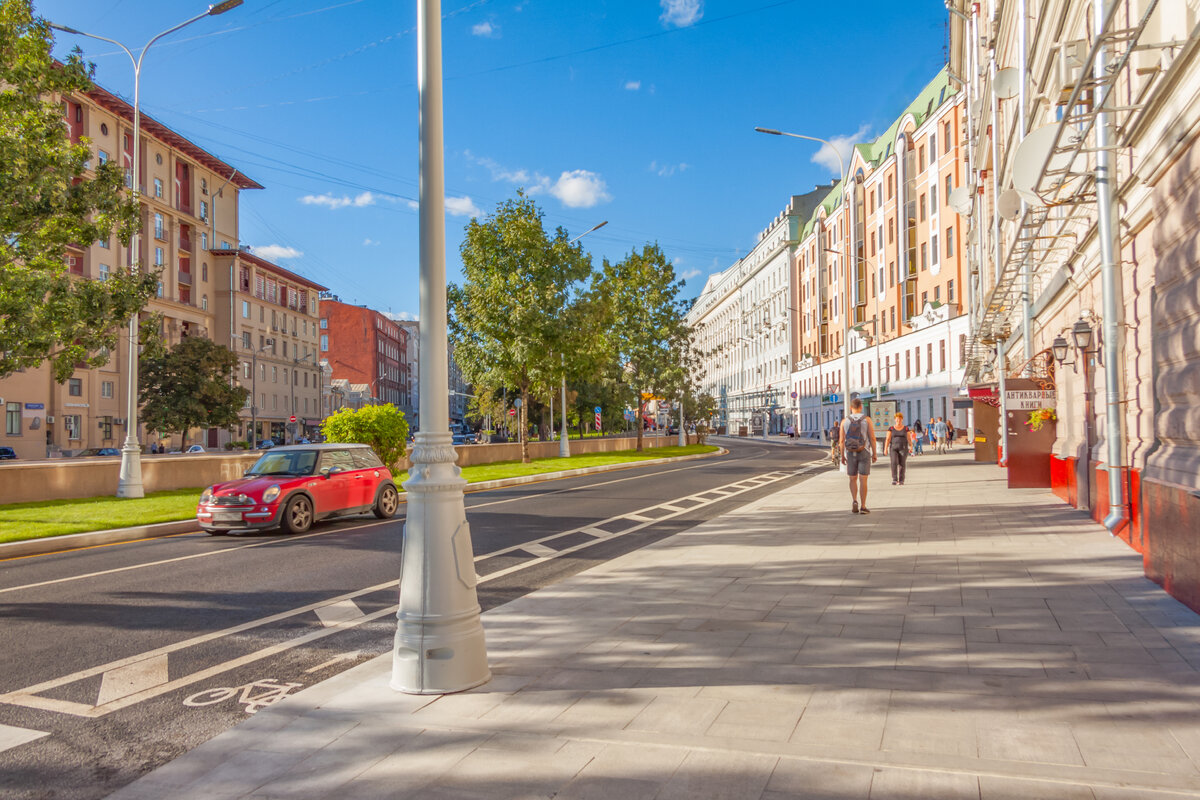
x=597 y=418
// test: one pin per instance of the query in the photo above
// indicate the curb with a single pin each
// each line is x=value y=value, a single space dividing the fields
x=79 y=541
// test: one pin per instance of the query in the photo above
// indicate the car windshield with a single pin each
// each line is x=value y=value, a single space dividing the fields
x=292 y=462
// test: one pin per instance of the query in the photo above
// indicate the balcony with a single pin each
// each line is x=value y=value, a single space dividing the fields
x=185 y=278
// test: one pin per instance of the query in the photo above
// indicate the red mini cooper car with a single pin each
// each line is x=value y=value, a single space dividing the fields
x=292 y=487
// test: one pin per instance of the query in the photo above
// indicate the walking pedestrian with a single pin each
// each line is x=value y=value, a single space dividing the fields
x=942 y=432
x=931 y=432
x=791 y=431
x=896 y=446
x=857 y=436
x=950 y=433
x=918 y=438
x=835 y=445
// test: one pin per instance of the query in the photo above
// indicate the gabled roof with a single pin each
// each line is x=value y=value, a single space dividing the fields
x=246 y=255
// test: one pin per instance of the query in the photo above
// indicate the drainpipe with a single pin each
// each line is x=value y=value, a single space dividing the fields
x=1111 y=288
x=1002 y=370
x=996 y=254
x=1022 y=127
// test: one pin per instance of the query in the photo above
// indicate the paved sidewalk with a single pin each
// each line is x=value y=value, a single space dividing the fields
x=963 y=641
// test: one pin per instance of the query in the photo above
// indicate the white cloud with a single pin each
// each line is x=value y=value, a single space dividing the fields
x=402 y=316
x=369 y=242
x=332 y=202
x=580 y=188
x=827 y=156
x=681 y=13
x=667 y=170
x=462 y=207
x=499 y=173
x=633 y=86
x=486 y=29
x=274 y=252
x=691 y=273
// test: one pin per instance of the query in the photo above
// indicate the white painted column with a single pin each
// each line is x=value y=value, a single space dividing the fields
x=439 y=645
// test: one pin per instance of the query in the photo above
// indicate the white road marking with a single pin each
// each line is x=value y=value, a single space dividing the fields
x=639 y=518
x=132 y=678
x=335 y=660
x=30 y=698
x=540 y=550
x=12 y=736
x=335 y=613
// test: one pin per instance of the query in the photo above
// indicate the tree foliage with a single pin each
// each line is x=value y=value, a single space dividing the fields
x=383 y=427
x=646 y=332
x=191 y=385
x=51 y=202
x=519 y=317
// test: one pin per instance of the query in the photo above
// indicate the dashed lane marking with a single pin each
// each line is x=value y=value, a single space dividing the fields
x=11 y=736
x=540 y=550
x=335 y=613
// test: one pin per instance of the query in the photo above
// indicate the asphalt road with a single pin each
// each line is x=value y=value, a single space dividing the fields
x=115 y=660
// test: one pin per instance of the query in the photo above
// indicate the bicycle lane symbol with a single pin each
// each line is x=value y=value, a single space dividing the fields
x=255 y=695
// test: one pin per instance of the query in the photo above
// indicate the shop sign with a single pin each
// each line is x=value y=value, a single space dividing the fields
x=1029 y=399
x=34 y=406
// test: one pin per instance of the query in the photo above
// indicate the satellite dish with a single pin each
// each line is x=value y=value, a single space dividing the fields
x=1007 y=83
x=1029 y=157
x=960 y=200
x=1008 y=205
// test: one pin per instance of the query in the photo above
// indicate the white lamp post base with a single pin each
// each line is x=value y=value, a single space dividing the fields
x=439 y=645
x=129 y=483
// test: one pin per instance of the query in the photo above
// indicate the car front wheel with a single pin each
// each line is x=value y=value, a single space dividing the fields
x=387 y=502
x=298 y=515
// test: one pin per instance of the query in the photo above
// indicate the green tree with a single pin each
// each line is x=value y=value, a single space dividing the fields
x=190 y=385
x=383 y=427
x=55 y=197
x=515 y=318
x=647 y=335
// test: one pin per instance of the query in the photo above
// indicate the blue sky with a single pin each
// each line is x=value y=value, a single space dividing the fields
x=638 y=112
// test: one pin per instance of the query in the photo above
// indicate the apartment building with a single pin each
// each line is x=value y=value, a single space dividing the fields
x=1085 y=143
x=364 y=346
x=879 y=272
x=270 y=316
x=874 y=272
x=743 y=325
x=189 y=206
x=412 y=405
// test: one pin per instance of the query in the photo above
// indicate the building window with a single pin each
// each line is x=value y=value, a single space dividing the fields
x=75 y=387
x=104 y=272
x=158 y=258
x=949 y=241
x=204 y=209
x=929 y=357
x=104 y=244
x=324 y=341
x=917 y=360
x=949 y=186
x=246 y=339
x=72 y=423
x=921 y=158
x=245 y=309
x=924 y=256
x=937 y=294
x=950 y=291
x=924 y=299
x=106 y=428
x=160 y=290
x=106 y=389
x=12 y=419
x=922 y=207
x=204 y=271
x=102 y=157
x=949 y=140
x=203 y=240
x=158 y=188
x=158 y=226
x=204 y=302
x=245 y=369
x=933 y=248
x=907 y=363
x=932 y=148
x=942 y=355
x=324 y=324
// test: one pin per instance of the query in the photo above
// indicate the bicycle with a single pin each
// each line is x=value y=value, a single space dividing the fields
x=274 y=692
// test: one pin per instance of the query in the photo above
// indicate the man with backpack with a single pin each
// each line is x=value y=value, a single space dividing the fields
x=857 y=437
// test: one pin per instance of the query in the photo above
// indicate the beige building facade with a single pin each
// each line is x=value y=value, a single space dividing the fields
x=1084 y=133
x=189 y=201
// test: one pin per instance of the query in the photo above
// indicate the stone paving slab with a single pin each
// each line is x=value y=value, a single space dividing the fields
x=963 y=640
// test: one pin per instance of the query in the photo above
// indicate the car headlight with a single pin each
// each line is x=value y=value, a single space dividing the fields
x=271 y=493
x=206 y=496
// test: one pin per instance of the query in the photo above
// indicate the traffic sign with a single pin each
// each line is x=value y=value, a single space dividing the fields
x=597 y=409
x=292 y=418
x=512 y=412
x=795 y=395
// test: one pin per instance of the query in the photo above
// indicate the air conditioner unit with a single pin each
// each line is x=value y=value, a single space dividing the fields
x=50 y=419
x=119 y=421
x=1069 y=66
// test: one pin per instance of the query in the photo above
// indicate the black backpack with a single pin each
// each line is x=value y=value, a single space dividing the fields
x=856 y=436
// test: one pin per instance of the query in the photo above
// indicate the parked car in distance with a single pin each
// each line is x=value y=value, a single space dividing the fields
x=265 y=444
x=8 y=454
x=292 y=487
x=196 y=448
x=463 y=438
x=92 y=452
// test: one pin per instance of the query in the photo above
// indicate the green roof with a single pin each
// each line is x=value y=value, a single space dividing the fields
x=935 y=93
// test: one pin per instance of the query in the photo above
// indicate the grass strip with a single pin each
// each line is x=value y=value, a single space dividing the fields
x=37 y=520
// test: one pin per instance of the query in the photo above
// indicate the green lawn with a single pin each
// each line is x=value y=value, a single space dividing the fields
x=35 y=520
x=20 y=521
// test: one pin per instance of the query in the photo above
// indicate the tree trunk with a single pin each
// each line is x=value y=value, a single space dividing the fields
x=641 y=406
x=524 y=423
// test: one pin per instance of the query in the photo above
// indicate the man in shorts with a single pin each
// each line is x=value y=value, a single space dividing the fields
x=858 y=453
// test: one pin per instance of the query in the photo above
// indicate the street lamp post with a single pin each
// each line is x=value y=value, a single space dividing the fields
x=439 y=645
x=845 y=272
x=254 y=390
x=564 y=445
x=129 y=482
